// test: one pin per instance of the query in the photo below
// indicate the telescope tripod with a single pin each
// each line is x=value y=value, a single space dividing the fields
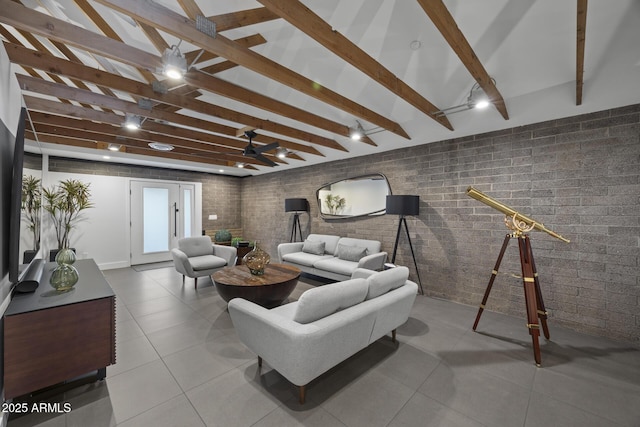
x=532 y=293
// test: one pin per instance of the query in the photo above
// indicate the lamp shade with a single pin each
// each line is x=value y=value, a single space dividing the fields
x=403 y=205
x=296 y=205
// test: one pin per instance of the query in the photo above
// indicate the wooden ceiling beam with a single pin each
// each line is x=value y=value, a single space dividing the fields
x=250 y=41
x=174 y=23
x=230 y=21
x=40 y=23
x=102 y=101
x=23 y=56
x=580 y=43
x=246 y=96
x=444 y=22
x=21 y=17
x=301 y=17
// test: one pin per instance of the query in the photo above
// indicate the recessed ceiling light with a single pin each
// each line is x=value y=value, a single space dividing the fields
x=161 y=146
x=221 y=170
x=114 y=147
x=106 y=157
x=415 y=45
x=240 y=165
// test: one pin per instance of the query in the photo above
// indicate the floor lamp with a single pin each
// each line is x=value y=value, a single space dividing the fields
x=404 y=205
x=296 y=206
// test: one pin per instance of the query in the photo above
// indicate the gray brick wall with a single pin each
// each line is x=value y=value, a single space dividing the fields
x=580 y=176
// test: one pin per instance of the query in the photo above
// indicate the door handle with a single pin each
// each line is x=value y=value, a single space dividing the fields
x=175 y=219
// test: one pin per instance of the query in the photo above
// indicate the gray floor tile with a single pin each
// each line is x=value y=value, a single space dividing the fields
x=546 y=411
x=175 y=338
x=282 y=416
x=166 y=319
x=176 y=412
x=196 y=365
x=615 y=400
x=127 y=330
x=230 y=400
x=140 y=389
x=131 y=354
x=423 y=411
x=377 y=398
x=478 y=395
x=155 y=305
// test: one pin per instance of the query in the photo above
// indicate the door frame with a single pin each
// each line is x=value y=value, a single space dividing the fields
x=197 y=214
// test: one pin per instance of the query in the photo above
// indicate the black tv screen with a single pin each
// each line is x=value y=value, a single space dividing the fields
x=15 y=212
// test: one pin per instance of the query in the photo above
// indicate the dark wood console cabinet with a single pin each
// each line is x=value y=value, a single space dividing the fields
x=50 y=338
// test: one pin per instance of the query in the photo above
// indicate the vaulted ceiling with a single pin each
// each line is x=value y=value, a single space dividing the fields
x=303 y=73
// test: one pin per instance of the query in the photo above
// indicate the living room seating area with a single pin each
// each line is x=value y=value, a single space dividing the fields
x=180 y=362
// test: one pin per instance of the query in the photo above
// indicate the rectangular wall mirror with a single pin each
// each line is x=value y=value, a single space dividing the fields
x=353 y=197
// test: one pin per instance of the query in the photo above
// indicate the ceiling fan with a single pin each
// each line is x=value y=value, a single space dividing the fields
x=256 y=152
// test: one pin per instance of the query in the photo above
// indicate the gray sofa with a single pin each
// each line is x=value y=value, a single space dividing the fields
x=333 y=257
x=327 y=325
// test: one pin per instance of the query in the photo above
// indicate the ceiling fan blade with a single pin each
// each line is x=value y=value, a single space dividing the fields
x=267 y=147
x=266 y=161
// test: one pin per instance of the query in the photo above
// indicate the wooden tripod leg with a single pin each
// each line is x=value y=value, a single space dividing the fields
x=494 y=273
x=528 y=281
x=542 y=311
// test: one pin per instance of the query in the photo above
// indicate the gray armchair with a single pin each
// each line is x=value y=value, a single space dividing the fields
x=198 y=256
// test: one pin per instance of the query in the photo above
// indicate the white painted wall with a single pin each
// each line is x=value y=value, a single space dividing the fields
x=104 y=232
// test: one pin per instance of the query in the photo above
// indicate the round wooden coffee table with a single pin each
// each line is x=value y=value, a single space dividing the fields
x=269 y=290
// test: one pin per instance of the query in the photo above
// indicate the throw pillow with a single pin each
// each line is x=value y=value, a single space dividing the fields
x=351 y=253
x=325 y=300
x=311 y=247
x=385 y=281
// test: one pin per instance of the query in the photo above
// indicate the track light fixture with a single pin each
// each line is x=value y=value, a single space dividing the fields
x=357 y=132
x=114 y=147
x=282 y=153
x=174 y=64
x=477 y=99
x=131 y=121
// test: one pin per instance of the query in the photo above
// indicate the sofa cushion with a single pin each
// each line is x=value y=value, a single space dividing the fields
x=195 y=246
x=351 y=253
x=336 y=265
x=313 y=247
x=325 y=300
x=373 y=246
x=384 y=281
x=304 y=258
x=206 y=262
x=330 y=241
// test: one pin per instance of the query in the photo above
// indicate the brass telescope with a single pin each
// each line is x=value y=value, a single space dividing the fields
x=489 y=201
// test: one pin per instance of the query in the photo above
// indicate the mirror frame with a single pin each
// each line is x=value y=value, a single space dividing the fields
x=376 y=176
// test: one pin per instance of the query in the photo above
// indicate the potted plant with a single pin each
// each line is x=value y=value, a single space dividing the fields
x=222 y=237
x=64 y=203
x=32 y=210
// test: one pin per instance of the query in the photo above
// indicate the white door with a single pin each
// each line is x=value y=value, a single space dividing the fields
x=161 y=213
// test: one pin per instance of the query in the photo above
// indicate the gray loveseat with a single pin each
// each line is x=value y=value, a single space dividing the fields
x=333 y=257
x=327 y=325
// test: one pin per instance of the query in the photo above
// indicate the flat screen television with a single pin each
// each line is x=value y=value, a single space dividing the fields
x=15 y=203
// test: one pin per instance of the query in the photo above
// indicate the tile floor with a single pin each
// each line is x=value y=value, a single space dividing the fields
x=180 y=364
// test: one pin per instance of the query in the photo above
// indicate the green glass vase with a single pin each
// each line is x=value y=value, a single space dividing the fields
x=64 y=276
